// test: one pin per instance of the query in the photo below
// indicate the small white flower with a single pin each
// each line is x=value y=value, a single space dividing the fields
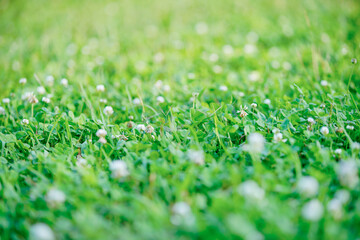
x=159 y=57
x=335 y=208
x=254 y=76
x=251 y=190
x=201 y=28
x=108 y=110
x=41 y=90
x=118 y=169
x=101 y=134
x=348 y=173
x=276 y=130
x=324 y=130
x=45 y=100
x=30 y=97
x=250 y=49
x=256 y=143
x=2 y=111
x=287 y=66
x=311 y=121
x=81 y=162
x=100 y=88
x=241 y=94
x=6 y=100
x=223 y=88
x=343 y=196
x=160 y=99
x=149 y=129
x=355 y=146
x=41 y=231
x=181 y=214
x=196 y=156
x=159 y=84
x=136 y=101
x=254 y=105
x=22 y=81
x=267 y=101
x=49 y=80
x=166 y=88
x=217 y=69
x=191 y=76
x=278 y=137
x=324 y=83
x=228 y=50
x=103 y=100
x=213 y=57
x=25 y=121
x=313 y=210
x=140 y=127
x=64 y=82
x=308 y=186
x=55 y=197
x=181 y=208
x=338 y=151
x=350 y=127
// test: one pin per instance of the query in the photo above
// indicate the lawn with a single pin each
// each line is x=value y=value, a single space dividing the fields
x=164 y=119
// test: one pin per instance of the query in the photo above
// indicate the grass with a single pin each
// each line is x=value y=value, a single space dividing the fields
x=231 y=119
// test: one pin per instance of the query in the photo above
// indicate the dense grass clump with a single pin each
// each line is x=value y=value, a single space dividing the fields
x=179 y=119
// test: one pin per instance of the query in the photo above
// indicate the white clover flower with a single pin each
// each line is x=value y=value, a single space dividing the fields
x=191 y=76
x=2 y=111
x=181 y=214
x=158 y=84
x=160 y=99
x=49 y=80
x=196 y=156
x=348 y=173
x=278 y=137
x=118 y=169
x=324 y=83
x=149 y=129
x=45 y=100
x=213 y=57
x=64 y=82
x=276 y=130
x=324 y=130
x=41 y=90
x=254 y=105
x=311 y=121
x=228 y=50
x=355 y=146
x=140 y=127
x=350 y=127
x=55 y=197
x=22 y=81
x=25 y=121
x=241 y=94
x=41 y=231
x=335 y=208
x=313 y=210
x=254 y=76
x=267 y=101
x=343 y=196
x=223 y=88
x=103 y=100
x=81 y=162
x=101 y=134
x=338 y=151
x=287 y=66
x=30 y=97
x=108 y=110
x=275 y=64
x=100 y=88
x=217 y=69
x=166 y=88
x=250 y=49
x=308 y=186
x=252 y=37
x=201 y=28
x=256 y=143
x=251 y=190
x=136 y=101
x=159 y=57
x=6 y=100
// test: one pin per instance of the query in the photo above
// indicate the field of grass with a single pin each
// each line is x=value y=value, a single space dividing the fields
x=167 y=119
